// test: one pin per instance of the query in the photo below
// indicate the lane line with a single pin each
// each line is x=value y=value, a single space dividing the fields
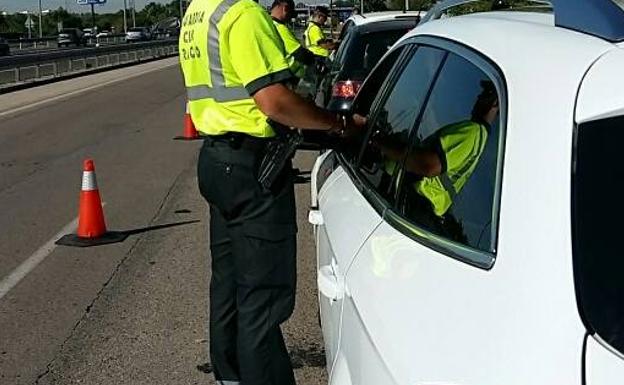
x=81 y=90
x=35 y=259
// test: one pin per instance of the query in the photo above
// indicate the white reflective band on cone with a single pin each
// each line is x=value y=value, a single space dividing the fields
x=188 y=110
x=229 y=383
x=88 y=181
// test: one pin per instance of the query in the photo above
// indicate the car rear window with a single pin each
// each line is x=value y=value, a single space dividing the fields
x=366 y=50
x=597 y=221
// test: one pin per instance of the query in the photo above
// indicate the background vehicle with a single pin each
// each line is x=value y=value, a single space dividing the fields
x=364 y=40
x=5 y=49
x=138 y=34
x=532 y=294
x=71 y=36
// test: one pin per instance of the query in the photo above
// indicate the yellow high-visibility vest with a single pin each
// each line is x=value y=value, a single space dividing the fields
x=229 y=49
x=291 y=45
x=312 y=35
x=462 y=145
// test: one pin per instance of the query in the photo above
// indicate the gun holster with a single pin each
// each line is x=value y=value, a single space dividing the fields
x=278 y=152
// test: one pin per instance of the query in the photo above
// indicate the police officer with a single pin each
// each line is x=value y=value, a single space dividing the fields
x=234 y=69
x=297 y=56
x=315 y=39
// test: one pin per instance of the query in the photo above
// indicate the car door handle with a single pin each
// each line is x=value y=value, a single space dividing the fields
x=315 y=217
x=329 y=284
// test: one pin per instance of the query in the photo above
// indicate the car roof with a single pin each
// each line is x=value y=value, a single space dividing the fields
x=374 y=17
x=503 y=35
x=537 y=59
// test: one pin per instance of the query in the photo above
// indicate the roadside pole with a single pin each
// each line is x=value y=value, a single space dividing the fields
x=92 y=17
x=40 y=23
x=125 y=16
x=133 y=15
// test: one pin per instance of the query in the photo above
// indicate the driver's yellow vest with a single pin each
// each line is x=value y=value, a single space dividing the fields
x=228 y=50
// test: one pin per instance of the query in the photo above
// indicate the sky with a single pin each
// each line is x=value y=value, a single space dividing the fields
x=33 y=5
x=12 y=6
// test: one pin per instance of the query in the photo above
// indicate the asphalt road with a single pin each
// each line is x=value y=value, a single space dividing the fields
x=129 y=313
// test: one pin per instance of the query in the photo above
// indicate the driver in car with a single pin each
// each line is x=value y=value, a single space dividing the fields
x=440 y=166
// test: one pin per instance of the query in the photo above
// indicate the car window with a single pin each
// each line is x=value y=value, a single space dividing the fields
x=366 y=97
x=365 y=51
x=450 y=171
x=341 y=52
x=394 y=120
x=345 y=28
x=598 y=262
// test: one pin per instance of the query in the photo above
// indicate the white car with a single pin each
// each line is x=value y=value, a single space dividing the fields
x=521 y=280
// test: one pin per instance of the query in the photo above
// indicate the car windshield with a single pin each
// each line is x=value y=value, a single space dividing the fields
x=598 y=183
x=366 y=50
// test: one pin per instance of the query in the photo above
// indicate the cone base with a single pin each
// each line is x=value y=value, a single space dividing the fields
x=188 y=138
x=106 y=239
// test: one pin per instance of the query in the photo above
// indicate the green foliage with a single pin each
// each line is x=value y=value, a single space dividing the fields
x=414 y=5
x=148 y=16
x=375 y=5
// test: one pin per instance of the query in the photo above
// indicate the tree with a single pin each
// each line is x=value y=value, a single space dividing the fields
x=414 y=5
x=375 y=5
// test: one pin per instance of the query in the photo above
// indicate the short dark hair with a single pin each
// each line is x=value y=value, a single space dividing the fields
x=277 y=3
x=485 y=100
x=321 y=10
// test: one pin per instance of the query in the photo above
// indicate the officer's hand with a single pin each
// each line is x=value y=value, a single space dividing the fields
x=347 y=126
x=354 y=125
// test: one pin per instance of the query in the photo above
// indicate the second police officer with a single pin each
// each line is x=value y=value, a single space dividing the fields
x=297 y=56
x=235 y=71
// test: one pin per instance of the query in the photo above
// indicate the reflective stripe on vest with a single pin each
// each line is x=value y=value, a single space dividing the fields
x=219 y=91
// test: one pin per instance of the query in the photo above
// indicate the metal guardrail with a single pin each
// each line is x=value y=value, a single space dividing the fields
x=51 y=42
x=61 y=63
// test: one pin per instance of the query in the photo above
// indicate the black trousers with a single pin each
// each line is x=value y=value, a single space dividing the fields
x=253 y=247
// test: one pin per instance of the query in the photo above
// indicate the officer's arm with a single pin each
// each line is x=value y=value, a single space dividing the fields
x=286 y=107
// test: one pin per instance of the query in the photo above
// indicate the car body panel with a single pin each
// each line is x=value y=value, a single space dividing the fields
x=602 y=95
x=602 y=364
x=334 y=254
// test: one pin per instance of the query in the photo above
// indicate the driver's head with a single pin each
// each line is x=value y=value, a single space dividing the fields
x=485 y=108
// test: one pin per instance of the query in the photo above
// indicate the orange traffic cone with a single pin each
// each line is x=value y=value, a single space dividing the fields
x=189 y=133
x=91 y=216
x=91 y=224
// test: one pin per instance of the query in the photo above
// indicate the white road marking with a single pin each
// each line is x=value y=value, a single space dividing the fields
x=35 y=259
x=80 y=91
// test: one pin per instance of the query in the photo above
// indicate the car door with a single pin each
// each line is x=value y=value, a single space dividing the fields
x=375 y=175
x=342 y=218
x=417 y=298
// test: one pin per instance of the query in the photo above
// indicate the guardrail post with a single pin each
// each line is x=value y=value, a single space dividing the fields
x=37 y=71
x=17 y=74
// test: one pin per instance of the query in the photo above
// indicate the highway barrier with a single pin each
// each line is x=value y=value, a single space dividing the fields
x=49 y=65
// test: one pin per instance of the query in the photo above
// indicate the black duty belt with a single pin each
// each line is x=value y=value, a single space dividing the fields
x=237 y=140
